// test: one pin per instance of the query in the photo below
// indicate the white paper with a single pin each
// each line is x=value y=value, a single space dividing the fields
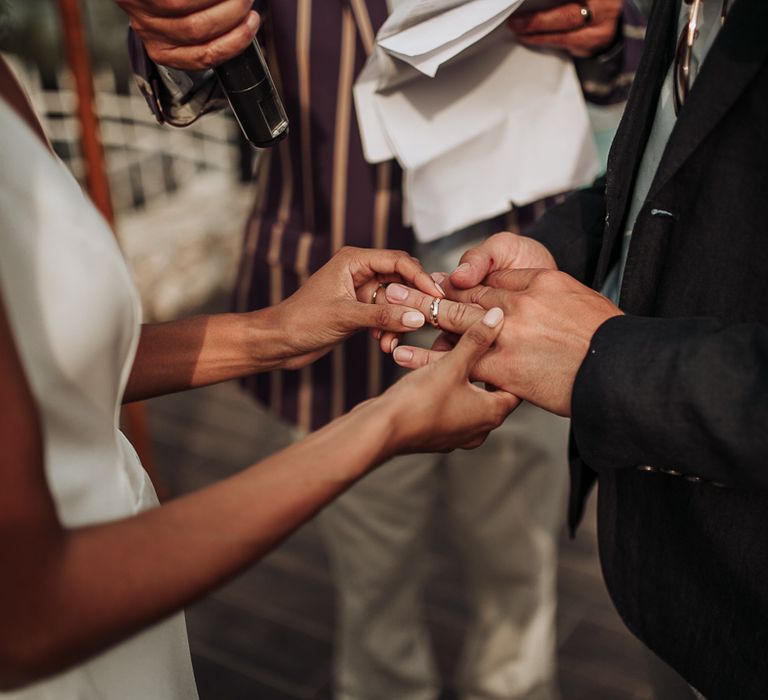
x=500 y=125
x=438 y=39
x=376 y=146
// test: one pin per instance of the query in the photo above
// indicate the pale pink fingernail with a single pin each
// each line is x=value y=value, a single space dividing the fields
x=493 y=317
x=403 y=355
x=376 y=334
x=439 y=288
x=438 y=277
x=395 y=343
x=412 y=319
x=253 y=21
x=397 y=292
x=464 y=267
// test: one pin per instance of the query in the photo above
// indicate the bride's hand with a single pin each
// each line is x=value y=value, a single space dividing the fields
x=436 y=408
x=335 y=302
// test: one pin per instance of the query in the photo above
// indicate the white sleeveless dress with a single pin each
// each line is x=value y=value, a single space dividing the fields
x=75 y=318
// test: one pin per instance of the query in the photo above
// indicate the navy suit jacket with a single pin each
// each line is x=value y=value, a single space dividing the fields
x=670 y=406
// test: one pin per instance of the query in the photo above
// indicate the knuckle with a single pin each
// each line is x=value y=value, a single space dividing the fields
x=404 y=261
x=457 y=314
x=477 y=295
x=476 y=336
x=502 y=237
x=206 y=56
x=558 y=277
x=139 y=24
x=193 y=27
x=419 y=300
x=606 y=32
x=382 y=315
x=547 y=278
x=153 y=50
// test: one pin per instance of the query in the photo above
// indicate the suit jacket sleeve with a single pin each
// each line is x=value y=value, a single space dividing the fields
x=175 y=97
x=690 y=395
x=606 y=77
x=573 y=231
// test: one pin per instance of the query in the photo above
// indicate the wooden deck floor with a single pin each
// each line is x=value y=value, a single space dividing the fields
x=267 y=635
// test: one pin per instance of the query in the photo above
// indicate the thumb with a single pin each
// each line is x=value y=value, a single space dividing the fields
x=477 y=340
x=474 y=265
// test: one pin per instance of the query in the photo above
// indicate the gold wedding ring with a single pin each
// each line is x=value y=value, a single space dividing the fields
x=434 y=310
x=376 y=291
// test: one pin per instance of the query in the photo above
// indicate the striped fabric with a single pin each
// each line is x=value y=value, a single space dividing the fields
x=316 y=193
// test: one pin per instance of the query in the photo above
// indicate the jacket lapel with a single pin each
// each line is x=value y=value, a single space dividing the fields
x=623 y=162
x=632 y=134
x=738 y=53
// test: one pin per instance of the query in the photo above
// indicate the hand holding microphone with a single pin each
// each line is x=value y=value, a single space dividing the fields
x=220 y=34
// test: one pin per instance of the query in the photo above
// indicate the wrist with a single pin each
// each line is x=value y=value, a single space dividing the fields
x=366 y=436
x=379 y=420
x=599 y=72
x=267 y=340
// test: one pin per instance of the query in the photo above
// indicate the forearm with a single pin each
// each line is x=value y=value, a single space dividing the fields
x=68 y=595
x=202 y=350
x=322 y=313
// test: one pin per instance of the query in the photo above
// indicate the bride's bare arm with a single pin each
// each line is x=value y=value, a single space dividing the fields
x=66 y=594
x=207 y=349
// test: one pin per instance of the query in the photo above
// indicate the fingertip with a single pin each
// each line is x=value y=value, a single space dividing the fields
x=413 y=319
x=253 y=22
x=462 y=270
x=461 y=277
x=493 y=317
x=438 y=277
x=402 y=355
x=396 y=292
x=389 y=341
x=508 y=402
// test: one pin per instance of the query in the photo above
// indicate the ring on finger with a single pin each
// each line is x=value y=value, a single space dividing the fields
x=376 y=291
x=434 y=310
x=586 y=14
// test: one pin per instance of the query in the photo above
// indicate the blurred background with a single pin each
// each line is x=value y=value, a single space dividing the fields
x=180 y=198
x=179 y=195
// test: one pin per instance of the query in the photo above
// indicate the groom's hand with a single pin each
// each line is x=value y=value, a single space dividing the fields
x=550 y=321
x=502 y=251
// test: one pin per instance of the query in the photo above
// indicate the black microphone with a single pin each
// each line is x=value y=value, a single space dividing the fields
x=252 y=95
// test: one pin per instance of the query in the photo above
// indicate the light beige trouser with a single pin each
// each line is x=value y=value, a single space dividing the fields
x=506 y=500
